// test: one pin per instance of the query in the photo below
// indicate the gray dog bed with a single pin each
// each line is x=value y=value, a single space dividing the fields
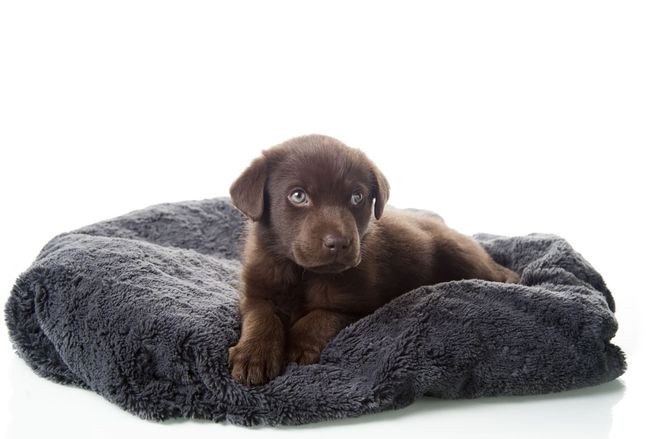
x=142 y=309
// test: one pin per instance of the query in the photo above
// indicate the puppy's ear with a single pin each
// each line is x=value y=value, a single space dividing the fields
x=380 y=191
x=247 y=192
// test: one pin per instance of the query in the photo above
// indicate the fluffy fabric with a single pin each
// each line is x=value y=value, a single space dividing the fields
x=142 y=309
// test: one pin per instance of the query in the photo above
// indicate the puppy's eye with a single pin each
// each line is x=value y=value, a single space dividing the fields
x=298 y=196
x=356 y=198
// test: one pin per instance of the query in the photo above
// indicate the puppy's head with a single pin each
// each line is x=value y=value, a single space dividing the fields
x=315 y=197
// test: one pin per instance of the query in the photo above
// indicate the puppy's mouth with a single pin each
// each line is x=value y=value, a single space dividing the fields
x=332 y=268
x=311 y=259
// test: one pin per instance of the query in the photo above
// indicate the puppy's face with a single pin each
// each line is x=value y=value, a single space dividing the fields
x=316 y=197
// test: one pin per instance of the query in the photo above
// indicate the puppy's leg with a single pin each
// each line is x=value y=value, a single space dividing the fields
x=507 y=275
x=467 y=259
x=258 y=356
x=309 y=335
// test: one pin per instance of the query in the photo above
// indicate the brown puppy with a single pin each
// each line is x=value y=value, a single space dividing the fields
x=314 y=261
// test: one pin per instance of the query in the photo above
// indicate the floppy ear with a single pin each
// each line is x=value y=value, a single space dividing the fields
x=247 y=192
x=380 y=191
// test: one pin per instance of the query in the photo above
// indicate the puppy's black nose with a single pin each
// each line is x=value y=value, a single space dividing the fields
x=336 y=244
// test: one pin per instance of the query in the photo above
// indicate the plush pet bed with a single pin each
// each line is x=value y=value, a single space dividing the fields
x=142 y=309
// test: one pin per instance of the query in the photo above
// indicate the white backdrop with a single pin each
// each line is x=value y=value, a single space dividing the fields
x=506 y=117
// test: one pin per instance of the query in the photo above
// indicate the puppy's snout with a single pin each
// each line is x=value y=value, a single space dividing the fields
x=336 y=244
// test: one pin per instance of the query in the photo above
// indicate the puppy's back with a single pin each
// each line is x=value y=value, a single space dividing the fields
x=410 y=248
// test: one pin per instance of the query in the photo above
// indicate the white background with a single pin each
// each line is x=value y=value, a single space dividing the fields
x=504 y=117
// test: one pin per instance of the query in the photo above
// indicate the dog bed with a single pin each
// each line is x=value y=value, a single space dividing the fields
x=142 y=309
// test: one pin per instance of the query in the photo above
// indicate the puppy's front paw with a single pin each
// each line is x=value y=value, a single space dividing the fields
x=253 y=363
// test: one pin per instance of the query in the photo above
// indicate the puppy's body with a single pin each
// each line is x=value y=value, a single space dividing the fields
x=314 y=261
x=400 y=252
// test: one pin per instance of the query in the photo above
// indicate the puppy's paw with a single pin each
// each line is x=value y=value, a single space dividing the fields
x=253 y=363
x=511 y=277
x=303 y=354
x=503 y=274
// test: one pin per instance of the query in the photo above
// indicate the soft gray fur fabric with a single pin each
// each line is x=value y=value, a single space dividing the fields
x=142 y=309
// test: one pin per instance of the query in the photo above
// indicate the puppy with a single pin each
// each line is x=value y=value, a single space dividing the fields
x=315 y=261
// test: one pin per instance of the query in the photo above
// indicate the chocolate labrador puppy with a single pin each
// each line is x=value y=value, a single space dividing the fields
x=315 y=261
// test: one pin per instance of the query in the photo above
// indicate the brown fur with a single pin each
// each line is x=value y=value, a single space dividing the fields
x=311 y=269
